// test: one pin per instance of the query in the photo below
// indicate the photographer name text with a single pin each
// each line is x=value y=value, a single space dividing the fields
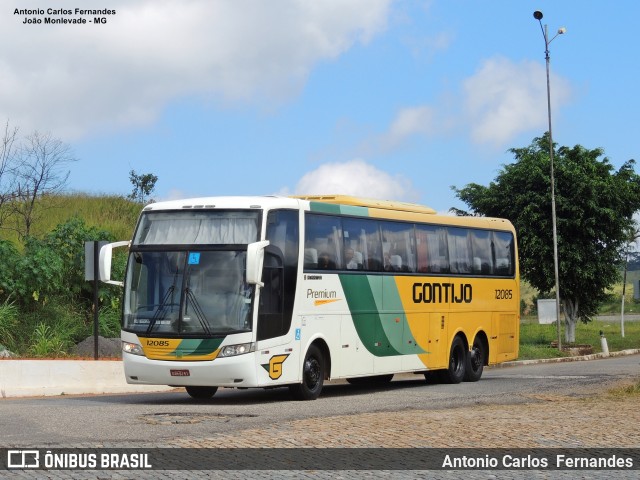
x=63 y=16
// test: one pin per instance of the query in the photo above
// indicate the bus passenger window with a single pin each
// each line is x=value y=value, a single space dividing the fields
x=322 y=242
x=482 y=258
x=325 y=262
x=362 y=247
x=433 y=252
x=398 y=245
x=504 y=253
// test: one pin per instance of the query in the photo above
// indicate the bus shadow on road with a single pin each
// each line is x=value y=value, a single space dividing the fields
x=254 y=396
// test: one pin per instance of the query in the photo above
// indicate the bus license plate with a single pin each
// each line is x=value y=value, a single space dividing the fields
x=180 y=373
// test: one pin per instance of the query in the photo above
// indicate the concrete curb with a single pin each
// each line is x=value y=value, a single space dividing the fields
x=580 y=358
x=35 y=378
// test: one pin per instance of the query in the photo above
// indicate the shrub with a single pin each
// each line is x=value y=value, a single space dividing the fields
x=46 y=342
x=109 y=321
x=8 y=324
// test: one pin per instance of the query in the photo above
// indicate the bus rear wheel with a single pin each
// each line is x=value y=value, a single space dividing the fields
x=457 y=362
x=201 y=393
x=312 y=376
x=475 y=361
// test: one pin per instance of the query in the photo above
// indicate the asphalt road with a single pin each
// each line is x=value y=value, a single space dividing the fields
x=139 y=420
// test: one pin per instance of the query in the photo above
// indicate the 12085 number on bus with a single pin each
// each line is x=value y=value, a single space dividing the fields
x=504 y=294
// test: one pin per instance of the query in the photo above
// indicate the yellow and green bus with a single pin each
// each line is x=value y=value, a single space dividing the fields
x=291 y=291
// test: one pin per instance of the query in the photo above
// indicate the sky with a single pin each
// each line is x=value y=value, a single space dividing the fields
x=378 y=98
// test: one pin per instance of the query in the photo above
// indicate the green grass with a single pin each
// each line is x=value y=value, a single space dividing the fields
x=626 y=391
x=8 y=325
x=535 y=339
x=114 y=214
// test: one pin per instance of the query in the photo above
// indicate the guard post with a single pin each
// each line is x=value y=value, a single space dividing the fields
x=92 y=274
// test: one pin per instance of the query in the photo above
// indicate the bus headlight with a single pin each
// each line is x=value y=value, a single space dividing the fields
x=132 y=348
x=232 y=350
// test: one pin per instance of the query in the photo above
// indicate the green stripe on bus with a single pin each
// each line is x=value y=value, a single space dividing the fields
x=395 y=324
x=353 y=210
x=358 y=290
x=324 y=207
x=197 y=346
x=332 y=208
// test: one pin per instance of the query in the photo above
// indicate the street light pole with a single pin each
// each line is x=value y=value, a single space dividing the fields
x=538 y=16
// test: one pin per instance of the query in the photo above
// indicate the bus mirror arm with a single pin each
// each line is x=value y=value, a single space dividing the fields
x=255 y=260
x=106 y=253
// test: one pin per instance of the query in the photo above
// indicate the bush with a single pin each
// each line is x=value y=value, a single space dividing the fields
x=47 y=342
x=39 y=274
x=52 y=329
x=8 y=324
x=9 y=257
x=66 y=242
x=109 y=321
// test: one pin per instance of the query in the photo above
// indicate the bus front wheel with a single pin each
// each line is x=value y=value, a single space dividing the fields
x=312 y=376
x=201 y=393
x=457 y=362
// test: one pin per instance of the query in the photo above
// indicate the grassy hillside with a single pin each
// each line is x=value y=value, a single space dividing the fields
x=111 y=213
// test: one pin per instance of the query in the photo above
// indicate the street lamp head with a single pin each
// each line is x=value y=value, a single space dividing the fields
x=562 y=30
x=537 y=15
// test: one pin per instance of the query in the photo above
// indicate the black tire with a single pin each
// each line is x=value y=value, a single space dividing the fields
x=373 y=380
x=312 y=376
x=432 y=377
x=475 y=361
x=457 y=362
x=201 y=393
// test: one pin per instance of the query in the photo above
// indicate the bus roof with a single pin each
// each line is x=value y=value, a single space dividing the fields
x=368 y=202
x=265 y=201
x=388 y=209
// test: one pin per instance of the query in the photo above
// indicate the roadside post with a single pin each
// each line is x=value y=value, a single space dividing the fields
x=91 y=274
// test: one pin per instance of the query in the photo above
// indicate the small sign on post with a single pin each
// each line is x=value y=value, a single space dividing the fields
x=546 y=311
x=91 y=274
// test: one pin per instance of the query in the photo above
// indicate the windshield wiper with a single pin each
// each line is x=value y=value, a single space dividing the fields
x=199 y=313
x=161 y=308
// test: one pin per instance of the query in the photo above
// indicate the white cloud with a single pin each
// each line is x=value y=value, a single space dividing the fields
x=504 y=99
x=408 y=122
x=501 y=100
x=77 y=78
x=357 y=178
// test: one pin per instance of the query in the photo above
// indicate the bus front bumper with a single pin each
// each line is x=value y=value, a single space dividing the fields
x=237 y=371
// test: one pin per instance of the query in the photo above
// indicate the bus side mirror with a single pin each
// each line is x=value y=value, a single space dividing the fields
x=255 y=259
x=106 y=252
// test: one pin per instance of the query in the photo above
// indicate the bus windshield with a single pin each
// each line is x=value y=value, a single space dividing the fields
x=187 y=292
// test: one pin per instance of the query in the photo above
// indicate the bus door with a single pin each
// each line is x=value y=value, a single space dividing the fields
x=416 y=341
x=504 y=328
x=388 y=343
x=355 y=358
x=436 y=346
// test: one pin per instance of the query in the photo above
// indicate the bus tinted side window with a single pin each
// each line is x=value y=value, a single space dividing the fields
x=459 y=250
x=398 y=246
x=504 y=253
x=323 y=242
x=482 y=256
x=362 y=248
x=432 y=249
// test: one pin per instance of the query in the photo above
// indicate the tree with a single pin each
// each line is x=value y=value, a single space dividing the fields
x=7 y=178
x=594 y=209
x=40 y=172
x=143 y=185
